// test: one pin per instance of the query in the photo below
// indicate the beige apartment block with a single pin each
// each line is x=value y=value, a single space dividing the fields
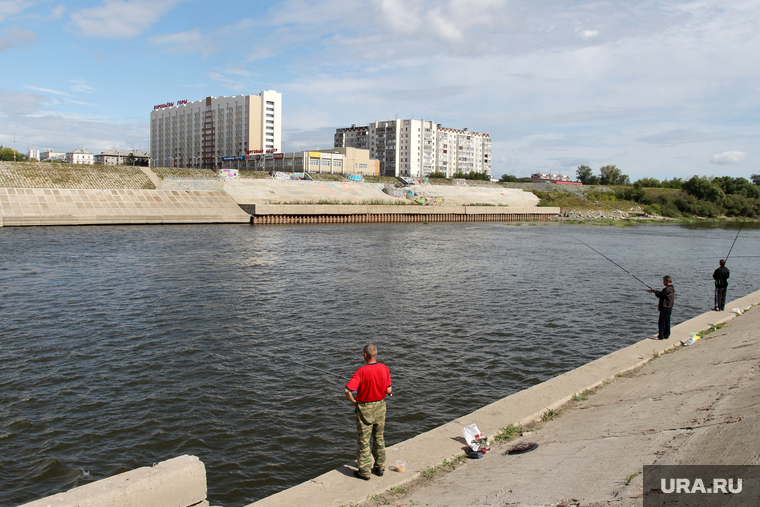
x=200 y=133
x=332 y=161
x=416 y=148
x=357 y=161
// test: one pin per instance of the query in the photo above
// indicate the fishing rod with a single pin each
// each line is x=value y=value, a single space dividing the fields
x=615 y=263
x=308 y=366
x=737 y=237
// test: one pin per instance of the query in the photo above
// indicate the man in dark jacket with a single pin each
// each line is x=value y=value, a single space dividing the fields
x=720 y=276
x=667 y=297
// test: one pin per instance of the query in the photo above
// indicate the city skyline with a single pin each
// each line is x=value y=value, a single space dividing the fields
x=660 y=89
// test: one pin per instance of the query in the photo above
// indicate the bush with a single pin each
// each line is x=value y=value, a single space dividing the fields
x=669 y=210
x=652 y=209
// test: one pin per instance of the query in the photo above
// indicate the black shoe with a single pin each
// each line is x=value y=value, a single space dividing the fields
x=378 y=471
x=360 y=476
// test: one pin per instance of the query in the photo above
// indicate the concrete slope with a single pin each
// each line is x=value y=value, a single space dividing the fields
x=266 y=191
x=467 y=196
x=429 y=449
x=44 y=206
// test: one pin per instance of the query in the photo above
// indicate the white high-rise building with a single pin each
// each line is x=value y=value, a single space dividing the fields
x=199 y=134
x=416 y=148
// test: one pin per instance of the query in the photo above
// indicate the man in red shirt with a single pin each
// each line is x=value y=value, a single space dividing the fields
x=372 y=382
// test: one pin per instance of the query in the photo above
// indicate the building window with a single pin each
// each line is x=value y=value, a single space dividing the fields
x=326 y=163
x=337 y=163
x=314 y=162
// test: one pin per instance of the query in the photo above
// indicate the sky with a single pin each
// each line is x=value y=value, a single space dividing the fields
x=660 y=89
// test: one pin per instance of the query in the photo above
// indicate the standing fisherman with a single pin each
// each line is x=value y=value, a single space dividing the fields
x=720 y=276
x=372 y=382
x=667 y=297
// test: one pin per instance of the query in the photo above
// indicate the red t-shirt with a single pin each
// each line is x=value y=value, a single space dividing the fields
x=371 y=382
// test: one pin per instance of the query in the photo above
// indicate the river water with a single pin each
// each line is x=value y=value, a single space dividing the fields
x=125 y=346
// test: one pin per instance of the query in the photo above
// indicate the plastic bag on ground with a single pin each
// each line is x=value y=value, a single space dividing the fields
x=475 y=439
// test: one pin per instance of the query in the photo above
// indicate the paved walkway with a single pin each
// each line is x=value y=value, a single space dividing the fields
x=697 y=405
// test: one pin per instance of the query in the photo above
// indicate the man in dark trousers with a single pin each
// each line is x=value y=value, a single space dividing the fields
x=372 y=382
x=720 y=276
x=667 y=297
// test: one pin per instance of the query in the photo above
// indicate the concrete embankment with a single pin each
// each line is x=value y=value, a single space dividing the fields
x=46 y=206
x=123 y=195
x=589 y=470
x=178 y=482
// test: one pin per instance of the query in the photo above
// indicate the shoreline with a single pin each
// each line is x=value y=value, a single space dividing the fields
x=444 y=443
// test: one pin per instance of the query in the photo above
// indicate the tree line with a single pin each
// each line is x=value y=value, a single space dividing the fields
x=9 y=155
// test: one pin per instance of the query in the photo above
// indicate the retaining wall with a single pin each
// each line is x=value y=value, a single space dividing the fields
x=178 y=482
x=46 y=206
x=265 y=214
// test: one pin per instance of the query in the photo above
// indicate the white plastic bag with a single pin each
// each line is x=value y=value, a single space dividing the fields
x=475 y=439
x=737 y=311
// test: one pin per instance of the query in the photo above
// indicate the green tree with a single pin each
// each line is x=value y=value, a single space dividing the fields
x=129 y=159
x=585 y=175
x=703 y=189
x=755 y=179
x=9 y=155
x=509 y=178
x=739 y=186
x=647 y=183
x=674 y=183
x=436 y=174
x=611 y=175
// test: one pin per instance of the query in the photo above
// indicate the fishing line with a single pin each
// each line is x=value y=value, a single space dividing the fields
x=615 y=263
x=304 y=365
x=737 y=237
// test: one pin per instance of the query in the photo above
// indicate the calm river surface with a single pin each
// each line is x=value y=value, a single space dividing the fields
x=125 y=346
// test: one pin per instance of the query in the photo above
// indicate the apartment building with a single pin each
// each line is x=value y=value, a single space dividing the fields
x=118 y=157
x=200 y=133
x=416 y=148
x=52 y=155
x=333 y=161
x=79 y=156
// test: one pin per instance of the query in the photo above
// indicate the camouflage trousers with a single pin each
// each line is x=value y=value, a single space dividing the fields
x=370 y=422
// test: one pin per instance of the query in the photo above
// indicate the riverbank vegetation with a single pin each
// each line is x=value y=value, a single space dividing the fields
x=704 y=197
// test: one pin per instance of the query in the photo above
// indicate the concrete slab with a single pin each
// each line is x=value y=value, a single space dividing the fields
x=429 y=449
x=178 y=482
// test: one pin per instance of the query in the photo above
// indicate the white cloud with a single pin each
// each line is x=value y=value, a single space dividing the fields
x=80 y=86
x=13 y=103
x=588 y=34
x=15 y=38
x=186 y=42
x=11 y=7
x=57 y=12
x=120 y=18
x=45 y=90
x=729 y=157
x=453 y=22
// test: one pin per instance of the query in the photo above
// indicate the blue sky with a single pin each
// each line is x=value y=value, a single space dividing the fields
x=663 y=88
